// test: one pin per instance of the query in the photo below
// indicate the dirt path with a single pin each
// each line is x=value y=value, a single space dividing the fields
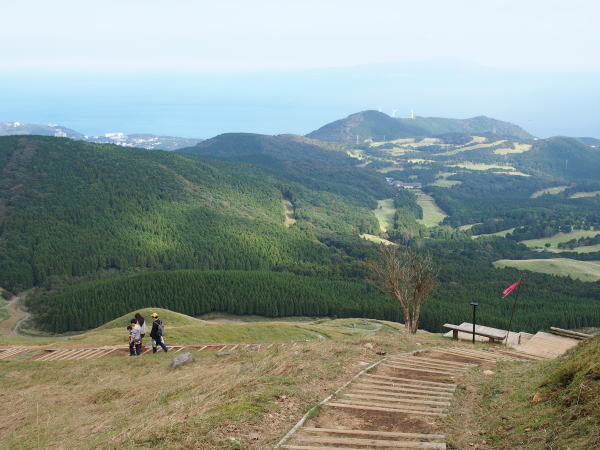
x=16 y=316
x=398 y=402
x=290 y=215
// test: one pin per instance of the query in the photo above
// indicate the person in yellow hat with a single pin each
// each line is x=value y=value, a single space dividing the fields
x=157 y=333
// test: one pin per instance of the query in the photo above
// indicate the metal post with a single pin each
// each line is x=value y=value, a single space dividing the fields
x=474 y=305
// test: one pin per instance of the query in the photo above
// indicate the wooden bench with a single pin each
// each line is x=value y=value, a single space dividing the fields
x=479 y=331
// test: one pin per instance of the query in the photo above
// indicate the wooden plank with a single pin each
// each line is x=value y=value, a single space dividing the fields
x=416 y=369
x=479 y=330
x=399 y=388
x=390 y=434
x=46 y=355
x=439 y=384
x=410 y=401
x=381 y=443
x=398 y=394
x=348 y=401
x=57 y=355
x=473 y=351
x=569 y=333
x=428 y=365
x=96 y=351
x=440 y=363
x=382 y=409
x=312 y=447
x=466 y=355
x=452 y=363
x=11 y=352
x=83 y=354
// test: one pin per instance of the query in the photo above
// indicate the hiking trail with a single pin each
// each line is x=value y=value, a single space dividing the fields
x=397 y=402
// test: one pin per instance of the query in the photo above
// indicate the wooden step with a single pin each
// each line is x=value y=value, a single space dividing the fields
x=400 y=388
x=312 y=447
x=413 y=401
x=416 y=369
x=437 y=384
x=385 y=404
x=443 y=361
x=390 y=434
x=9 y=353
x=378 y=443
x=465 y=355
x=383 y=409
x=427 y=365
x=439 y=364
x=398 y=394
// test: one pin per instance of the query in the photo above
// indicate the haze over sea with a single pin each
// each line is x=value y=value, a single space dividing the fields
x=205 y=103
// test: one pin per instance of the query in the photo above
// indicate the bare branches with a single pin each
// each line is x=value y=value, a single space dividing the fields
x=406 y=274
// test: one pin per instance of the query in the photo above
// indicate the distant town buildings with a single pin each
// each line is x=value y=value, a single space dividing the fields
x=402 y=184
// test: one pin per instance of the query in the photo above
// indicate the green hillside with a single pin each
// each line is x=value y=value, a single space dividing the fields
x=71 y=209
x=271 y=294
x=379 y=126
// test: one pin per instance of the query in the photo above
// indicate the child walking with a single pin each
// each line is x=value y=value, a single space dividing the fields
x=135 y=339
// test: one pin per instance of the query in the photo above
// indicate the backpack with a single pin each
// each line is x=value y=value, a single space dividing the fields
x=161 y=329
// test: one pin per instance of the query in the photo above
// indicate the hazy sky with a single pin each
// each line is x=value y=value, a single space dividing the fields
x=197 y=68
x=225 y=34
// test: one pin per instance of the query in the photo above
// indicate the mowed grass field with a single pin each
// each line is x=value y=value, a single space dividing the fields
x=551 y=191
x=501 y=233
x=515 y=148
x=582 y=270
x=385 y=214
x=564 y=237
x=585 y=194
x=432 y=213
x=376 y=239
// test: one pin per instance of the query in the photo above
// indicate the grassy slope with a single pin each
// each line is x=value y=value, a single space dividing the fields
x=558 y=238
x=432 y=214
x=505 y=416
x=385 y=214
x=181 y=329
x=120 y=402
x=582 y=270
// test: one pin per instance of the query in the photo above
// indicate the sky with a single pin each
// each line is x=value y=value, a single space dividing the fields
x=198 y=68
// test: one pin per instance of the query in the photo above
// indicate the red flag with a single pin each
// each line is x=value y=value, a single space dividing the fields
x=509 y=289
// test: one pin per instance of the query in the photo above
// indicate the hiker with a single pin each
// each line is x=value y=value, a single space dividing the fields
x=141 y=323
x=157 y=334
x=136 y=338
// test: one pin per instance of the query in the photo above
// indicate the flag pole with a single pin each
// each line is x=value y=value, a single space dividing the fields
x=514 y=307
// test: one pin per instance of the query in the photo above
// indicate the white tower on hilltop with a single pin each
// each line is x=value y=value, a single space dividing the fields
x=394 y=112
x=412 y=113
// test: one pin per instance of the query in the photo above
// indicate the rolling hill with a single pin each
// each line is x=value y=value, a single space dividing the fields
x=379 y=126
x=70 y=209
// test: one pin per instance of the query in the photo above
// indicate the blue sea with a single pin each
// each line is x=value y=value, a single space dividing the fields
x=202 y=105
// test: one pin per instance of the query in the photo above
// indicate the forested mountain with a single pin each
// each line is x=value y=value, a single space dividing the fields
x=70 y=208
x=250 y=223
x=379 y=126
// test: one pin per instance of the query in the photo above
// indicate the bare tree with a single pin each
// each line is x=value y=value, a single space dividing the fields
x=406 y=274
